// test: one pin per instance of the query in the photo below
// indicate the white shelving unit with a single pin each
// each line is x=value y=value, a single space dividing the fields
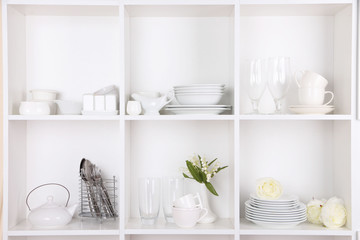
x=78 y=46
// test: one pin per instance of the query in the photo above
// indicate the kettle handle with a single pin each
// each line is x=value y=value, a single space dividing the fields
x=46 y=184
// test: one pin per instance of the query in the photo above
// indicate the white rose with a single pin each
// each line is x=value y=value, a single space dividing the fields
x=268 y=188
x=333 y=213
x=313 y=210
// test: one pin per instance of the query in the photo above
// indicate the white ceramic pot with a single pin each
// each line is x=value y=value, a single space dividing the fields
x=37 y=108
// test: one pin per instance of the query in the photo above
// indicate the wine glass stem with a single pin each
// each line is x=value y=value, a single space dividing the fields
x=277 y=106
x=255 y=106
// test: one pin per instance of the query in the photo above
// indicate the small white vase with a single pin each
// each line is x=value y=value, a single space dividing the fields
x=210 y=216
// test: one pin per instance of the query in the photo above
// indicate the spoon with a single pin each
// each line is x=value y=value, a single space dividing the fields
x=85 y=168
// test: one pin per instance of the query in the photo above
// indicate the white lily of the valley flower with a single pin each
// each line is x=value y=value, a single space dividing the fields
x=268 y=188
x=313 y=210
x=333 y=213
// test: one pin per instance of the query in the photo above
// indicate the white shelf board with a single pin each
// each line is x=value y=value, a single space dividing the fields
x=303 y=229
x=294 y=117
x=181 y=117
x=287 y=9
x=75 y=228
x=63 y=117
x=67 y=10
x=168 y=9
x=64 y=2
x=219 y=227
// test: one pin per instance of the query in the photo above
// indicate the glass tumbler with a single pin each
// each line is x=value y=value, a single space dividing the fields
x=149 y=199
x=173 y=188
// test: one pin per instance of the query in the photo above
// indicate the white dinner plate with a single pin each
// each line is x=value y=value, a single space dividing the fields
x=290 y=204
x=281 y=199
x=205 y=85
x=300 y=208
x=275 y=217
x=281 y=220
x=267 y=224
x=198 y=106
x=261 y=213
x=183 y=111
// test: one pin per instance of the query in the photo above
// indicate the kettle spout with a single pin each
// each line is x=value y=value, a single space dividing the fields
x=71 y=209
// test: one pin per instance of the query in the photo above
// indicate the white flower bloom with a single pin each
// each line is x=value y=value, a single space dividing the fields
x=333 y=213
x=268 y=188
x=313 y=210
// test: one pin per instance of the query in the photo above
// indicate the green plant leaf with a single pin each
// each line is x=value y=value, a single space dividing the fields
x=202 y=174
x=212 y=162
x=221 y=168
x=211 y=188
x=186 y=176
x=193 y=171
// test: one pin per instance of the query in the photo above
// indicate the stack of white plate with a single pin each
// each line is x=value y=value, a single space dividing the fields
x=199 y=94
x=198 y=99
x=285 y=212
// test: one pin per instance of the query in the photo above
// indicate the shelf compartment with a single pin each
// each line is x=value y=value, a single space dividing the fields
x=76 y=227
x=51 y=151
x=309 y=158
x=169 y=45
x=53 y=45
x=220 y=227
x=314 y=40
x=294 y=117
x=303 y=229
x=160 y=148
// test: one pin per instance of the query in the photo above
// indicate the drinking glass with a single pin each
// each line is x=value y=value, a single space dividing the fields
x=173 y=188
x=279 y=77
x=256 y=73
x=149 y=199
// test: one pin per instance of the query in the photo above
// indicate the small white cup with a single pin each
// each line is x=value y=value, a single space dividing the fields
x=188 y=217
x=310 y=79
x=133 y=108
x=188 y=201
x=314 y=96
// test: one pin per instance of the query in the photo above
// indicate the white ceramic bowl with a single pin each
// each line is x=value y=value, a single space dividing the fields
x=36 y=108
x=68 y=107
x=43 y=95
x=200 y=91
x=198 y=98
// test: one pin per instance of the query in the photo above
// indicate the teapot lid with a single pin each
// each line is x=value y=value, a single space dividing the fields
x=50 y=203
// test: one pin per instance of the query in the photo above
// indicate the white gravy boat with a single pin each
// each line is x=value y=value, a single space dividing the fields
x=152 y=105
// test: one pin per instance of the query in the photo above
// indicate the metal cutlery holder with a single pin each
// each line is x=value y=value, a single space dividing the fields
x=98 y=199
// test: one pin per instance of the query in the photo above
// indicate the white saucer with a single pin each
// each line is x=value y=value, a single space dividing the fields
x=198 y=106
x=311 y=106
x=312 y=109
x=184 y=111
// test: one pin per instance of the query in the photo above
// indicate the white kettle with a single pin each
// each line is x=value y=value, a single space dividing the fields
x=51 y=214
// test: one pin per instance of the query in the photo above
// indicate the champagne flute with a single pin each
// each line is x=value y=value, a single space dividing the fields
x=256 y=74
x=279 y=77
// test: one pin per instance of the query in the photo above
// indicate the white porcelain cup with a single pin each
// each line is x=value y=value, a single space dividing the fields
x=314 y=96
x=188 y=201
x=133 y=108
x=309 y=79
x=188 y=217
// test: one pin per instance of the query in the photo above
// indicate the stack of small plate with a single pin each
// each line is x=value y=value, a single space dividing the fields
x=198 y=99
x=285 y=212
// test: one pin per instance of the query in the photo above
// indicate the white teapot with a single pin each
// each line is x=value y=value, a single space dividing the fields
x=152 y=105
x=51 y=214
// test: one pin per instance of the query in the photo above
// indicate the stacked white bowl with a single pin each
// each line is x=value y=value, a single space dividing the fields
x=199 y=94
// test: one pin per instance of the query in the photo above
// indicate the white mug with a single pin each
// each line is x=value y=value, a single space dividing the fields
x=133 y=108
x=310 y=79
x=187 y=218
x=188 y=201
x=314 y=96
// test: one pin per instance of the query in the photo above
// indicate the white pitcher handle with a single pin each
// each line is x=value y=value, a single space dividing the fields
x=171 y=96
x=197 y=196
x=332 y=97
x=296 y=77
x=203 y=215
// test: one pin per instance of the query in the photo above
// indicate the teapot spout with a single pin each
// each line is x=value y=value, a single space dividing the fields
x=71 y=209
